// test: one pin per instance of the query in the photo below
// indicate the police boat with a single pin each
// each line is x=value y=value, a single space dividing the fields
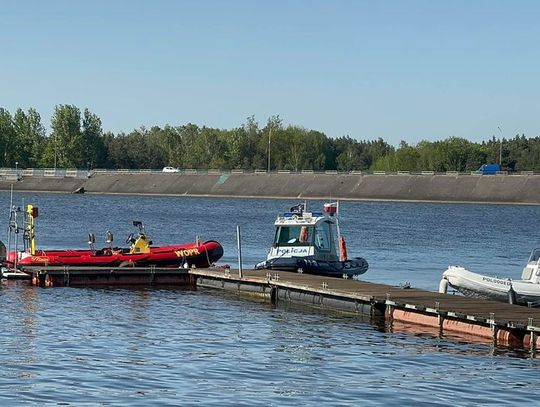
x=310 y=242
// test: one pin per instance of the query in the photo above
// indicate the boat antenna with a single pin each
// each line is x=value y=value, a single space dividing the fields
x=10 y=219
x=16 y=243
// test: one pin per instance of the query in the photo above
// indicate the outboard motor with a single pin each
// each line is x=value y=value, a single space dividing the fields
x=2 y=252
x=92 y=241
x=109 y=239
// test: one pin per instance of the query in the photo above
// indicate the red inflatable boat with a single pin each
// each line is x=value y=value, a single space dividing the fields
x=139 y=253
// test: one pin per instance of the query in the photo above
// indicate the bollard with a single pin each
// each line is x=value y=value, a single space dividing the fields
x=239 y=251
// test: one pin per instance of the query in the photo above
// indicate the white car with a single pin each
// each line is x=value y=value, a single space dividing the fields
x=170 y=169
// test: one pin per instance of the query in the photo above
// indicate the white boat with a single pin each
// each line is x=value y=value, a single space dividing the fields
x=523 y=291
x=13 y=274
x=308 y=242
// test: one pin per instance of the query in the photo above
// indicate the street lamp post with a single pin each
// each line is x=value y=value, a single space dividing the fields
x=17 y=169
x=269 y=137
x=55 y=152
x=500 y=147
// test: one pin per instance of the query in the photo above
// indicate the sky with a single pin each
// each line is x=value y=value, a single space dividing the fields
x=399 y=70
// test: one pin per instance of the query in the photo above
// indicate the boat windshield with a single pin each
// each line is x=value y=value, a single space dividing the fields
x=323 y=237
x=294 y=236
x=535 y=255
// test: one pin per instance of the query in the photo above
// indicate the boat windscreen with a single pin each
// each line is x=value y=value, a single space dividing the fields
x=294 y=235
x=323 y=238
x=535 y=255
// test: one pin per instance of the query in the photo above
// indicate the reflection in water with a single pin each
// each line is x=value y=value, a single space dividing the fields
x=173 y=346
x=29 y=302
x=160 y=345
x=19 y=332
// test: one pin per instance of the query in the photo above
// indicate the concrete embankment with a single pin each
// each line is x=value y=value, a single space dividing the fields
x=523 y=189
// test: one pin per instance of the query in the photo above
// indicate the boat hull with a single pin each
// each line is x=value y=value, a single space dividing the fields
x=499 y=289
x=199 y=255
x=340 y=269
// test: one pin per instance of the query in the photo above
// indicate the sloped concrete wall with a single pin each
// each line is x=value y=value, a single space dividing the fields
x=457 y=188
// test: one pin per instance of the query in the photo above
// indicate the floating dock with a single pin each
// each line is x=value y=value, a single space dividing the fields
x=411 y=309
x=444 y=314
x=72 y=276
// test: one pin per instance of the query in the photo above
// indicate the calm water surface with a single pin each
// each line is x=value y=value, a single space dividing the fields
x=178 y=347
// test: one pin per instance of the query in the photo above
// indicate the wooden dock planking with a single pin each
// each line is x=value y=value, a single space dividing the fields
x=480 y=309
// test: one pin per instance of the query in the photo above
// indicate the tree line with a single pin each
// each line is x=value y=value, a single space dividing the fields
x=77 y=140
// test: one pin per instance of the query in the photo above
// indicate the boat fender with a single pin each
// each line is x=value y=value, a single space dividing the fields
x=443 y=286
x=342 y=249
x=511 y=295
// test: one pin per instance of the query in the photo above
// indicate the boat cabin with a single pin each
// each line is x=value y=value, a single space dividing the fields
x=305 y=234
x=531 y=272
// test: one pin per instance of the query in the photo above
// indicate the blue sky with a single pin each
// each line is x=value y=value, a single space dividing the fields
x=400 y=70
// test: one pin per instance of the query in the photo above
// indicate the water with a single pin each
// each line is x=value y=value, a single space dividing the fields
x=179 y=347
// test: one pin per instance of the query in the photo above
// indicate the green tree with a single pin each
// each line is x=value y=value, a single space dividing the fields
x=318 y=151
x=272 y=144
x=67 y=139
x=348 y=155
x=373 y=151
x=406 y=158
x=255 y=157
x=8 y=154
x=193 y=152
x=460 y=154
x=92 y=135
x=236 y=143
x=296 y=148
x=169 y=139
